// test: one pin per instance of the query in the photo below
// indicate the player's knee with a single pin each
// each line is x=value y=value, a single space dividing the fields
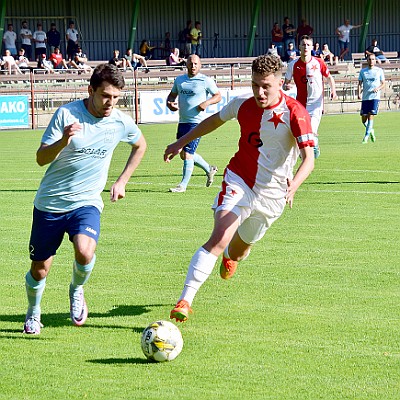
x=39 y=269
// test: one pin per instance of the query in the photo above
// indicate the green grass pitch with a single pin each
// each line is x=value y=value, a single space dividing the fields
x=312 y=314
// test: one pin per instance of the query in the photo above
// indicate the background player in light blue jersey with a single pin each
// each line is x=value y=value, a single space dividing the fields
x=78 y=144
x=371 y=81
x=193 y=90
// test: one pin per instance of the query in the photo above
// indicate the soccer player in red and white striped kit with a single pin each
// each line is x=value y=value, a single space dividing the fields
x=308 y=73
x=258 y=181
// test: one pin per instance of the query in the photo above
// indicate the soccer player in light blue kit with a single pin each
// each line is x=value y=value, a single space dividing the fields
x=371 y=81
x=78 y=144
x=193 y=90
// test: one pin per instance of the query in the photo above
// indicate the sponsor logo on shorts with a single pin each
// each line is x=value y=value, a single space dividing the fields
x=91 y=230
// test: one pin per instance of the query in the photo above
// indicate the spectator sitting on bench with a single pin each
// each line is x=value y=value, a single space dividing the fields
x=374 y=49
x=328 y=56
x=57 y=59
x=9 y=63
x=80 y=60
x=45 y=64
x=174 y=59
x=22 y=61
x=134 y=61
x=118 y=62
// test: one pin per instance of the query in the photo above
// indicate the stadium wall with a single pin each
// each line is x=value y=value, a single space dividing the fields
x=106 y=25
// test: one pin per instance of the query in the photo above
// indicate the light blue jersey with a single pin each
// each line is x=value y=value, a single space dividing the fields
x=78 y=175
x=371 y=78
x=191 y=92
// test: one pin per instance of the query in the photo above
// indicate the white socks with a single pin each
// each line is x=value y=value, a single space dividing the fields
x=200 y=268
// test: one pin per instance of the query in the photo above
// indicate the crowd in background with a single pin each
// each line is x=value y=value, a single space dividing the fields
x=44 y=47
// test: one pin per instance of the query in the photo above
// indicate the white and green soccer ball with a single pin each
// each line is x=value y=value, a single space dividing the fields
x=161 y=341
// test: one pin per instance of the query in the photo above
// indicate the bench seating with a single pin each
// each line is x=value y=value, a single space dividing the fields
x=358 y=58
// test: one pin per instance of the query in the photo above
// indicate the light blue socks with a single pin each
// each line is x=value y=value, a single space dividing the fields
x=34 y=292
x=81 y=273
x=199 y=161
x=188 y=167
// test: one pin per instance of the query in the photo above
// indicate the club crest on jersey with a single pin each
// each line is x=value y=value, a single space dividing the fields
x=109 y=136
x=276 y=119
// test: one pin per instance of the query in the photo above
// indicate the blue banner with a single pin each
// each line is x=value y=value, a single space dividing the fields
x=14 y=112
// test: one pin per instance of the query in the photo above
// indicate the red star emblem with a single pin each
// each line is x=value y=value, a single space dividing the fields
x=233 y=192
x=314 y=67
x=276 y=119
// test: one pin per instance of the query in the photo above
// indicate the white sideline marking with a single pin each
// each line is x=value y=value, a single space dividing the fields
x=350 y=191
x=359 y=170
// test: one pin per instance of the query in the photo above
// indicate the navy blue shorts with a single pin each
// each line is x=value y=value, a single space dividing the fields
x=343 y=45
x=369 y=107
x=48 y=229
x=183 y=129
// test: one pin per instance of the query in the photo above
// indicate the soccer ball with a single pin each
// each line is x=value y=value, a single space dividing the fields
x=161 y=341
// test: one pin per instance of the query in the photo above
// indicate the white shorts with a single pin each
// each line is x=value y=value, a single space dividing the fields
x=315 y=112
x=256 y=214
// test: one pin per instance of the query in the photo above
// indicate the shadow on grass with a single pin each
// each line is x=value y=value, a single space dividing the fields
x=57 y=320
x=354 y=183
x=135 y=360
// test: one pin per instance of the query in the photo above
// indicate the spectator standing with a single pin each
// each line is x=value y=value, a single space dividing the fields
x=26 y=39
x=53 y=38
x=167 y=43
x=196 y=36
x=193 y=90
x=288 y=33
x=308 y=73
x=277 y=38
x=374 y=49
x=185 y=39
x=343 y=32
x=371 y=80
x=9 y=39
x=77 y=146
x=40 y=39
x=303 y=30
x=72 y=37
x=259 y=179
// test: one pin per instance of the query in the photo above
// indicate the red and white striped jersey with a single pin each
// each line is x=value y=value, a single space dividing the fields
x=269 y=142
x=308 y=78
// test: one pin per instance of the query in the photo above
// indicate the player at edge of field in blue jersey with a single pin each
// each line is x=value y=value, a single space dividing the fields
x=371 y=81
x=78 y=144
x=193 y=90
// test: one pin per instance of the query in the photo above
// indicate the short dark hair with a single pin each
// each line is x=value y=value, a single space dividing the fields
x=267 y=64
x=306 y=37
x=107 y=73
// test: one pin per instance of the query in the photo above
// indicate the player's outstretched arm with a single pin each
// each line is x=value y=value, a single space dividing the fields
x=206 y=126
x=117 y=190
